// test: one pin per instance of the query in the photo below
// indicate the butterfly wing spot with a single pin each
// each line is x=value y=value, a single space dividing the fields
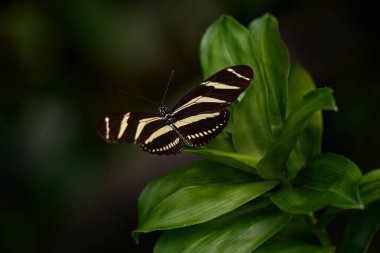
x=156 y=134
x=123 y=125
x=238 y=75
x=107 y=122
x=199 y=100
x=141 y=125
x=218 y=85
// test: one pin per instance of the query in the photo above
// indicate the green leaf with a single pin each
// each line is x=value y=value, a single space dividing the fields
x=273 y=65
x=222 y=150
x=300 y=83
x=309 y=142
x=197 y=193
x=328 y=180
x=334 y=173
x=261 y=112
x=370 y=186
x=239 y=161
x=361 y=228
x=225 y=43
x=197 y=204
x=295 y=247
x=273 y=164
x=369 y=192
x=202 y=172
x=240 y=231
x=302 y=200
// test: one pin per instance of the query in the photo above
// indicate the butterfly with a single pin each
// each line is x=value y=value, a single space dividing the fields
x=194 y=121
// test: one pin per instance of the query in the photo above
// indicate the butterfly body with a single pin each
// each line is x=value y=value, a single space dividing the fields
x=194 y=121
x=166 y=115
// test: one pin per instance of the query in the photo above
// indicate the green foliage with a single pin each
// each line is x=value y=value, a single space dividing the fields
x=195 y=194
x=242 y=230
x=264 y=177
x=327 y=180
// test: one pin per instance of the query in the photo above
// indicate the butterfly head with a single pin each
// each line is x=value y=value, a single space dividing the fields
x=163 y=110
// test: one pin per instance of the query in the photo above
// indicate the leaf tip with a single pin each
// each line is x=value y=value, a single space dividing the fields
x=136 y=236
x=270 y=17
x=225 y=19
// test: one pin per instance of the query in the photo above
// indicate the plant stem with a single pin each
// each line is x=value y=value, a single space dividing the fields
x=323 y=237
x=319 y=232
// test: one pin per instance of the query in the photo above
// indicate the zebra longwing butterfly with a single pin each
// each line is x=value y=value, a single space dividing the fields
x=194 y=121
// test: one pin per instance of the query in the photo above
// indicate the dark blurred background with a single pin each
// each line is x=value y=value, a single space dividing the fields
x=62 y=189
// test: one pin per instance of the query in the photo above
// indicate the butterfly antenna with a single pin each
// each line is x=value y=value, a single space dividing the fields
x=138 y=96
x=167 y=87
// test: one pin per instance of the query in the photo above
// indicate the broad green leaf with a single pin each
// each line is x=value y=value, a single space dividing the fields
x=333 y=173
x=261 y=112
x=370 y=186
x=251 y=132
x=232 y=159
x=303 y=200
x=295 y=247
x=240 y=231
x=361 y=227
x=273 y=65
x=225 y=43
x=309 y=142
x=273 y=164
x=300 y=83
x=328 y=180
x=202 y=172
x=197 y=193
x=196 y=204
x=369 y=192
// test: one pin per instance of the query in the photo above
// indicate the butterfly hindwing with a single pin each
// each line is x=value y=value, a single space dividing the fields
x=200 y=129
x=162 y=141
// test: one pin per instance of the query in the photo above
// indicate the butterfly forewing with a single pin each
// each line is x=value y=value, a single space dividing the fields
x=216 y=92
x=128 y=127
x=147 y=129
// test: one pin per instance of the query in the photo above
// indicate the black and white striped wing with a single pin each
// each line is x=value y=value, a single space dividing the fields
x=146 y=129
x=201 y=115
x=215 y=93
x=201 y=128
x=161 y=141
